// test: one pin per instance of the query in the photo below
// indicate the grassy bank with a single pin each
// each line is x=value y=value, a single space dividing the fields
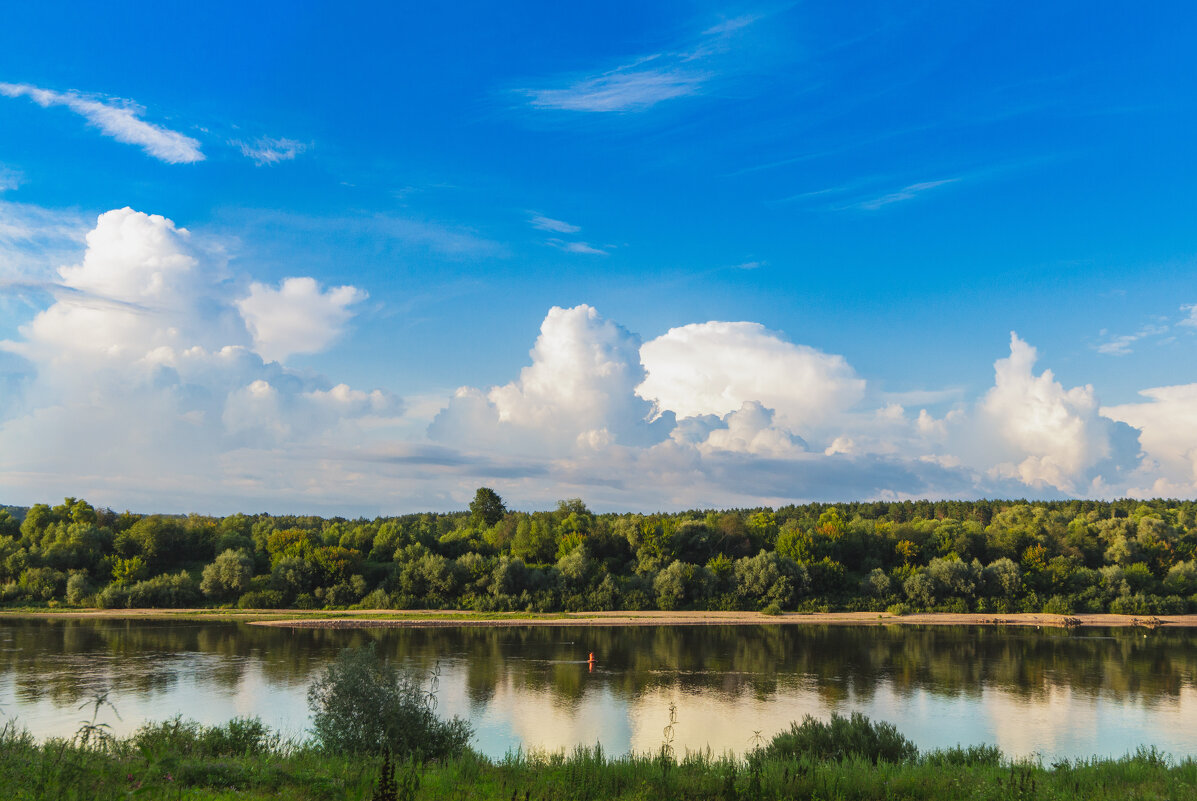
x=166 y=766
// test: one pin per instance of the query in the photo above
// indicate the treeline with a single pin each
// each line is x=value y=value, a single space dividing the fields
x=1128 y=557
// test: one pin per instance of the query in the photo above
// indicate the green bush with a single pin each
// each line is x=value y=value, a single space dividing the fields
x=842 y=738
x=954 y=606
x=42 y=583
x=77 y=588
x=1058 y=605
x=228 y=576
x=261 y=599
x=165 y=591
x=1140 y=604
x=186 y=738
x=958 y=756
x=1173 y=605
x=114 y=596
x=363 y=704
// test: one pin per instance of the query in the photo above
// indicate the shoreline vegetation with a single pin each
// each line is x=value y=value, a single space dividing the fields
x=440 y=618
x=974 y=561
x=376 y=736
x=178 y=760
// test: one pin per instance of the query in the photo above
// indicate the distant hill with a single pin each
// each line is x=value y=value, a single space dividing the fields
x=16 y=511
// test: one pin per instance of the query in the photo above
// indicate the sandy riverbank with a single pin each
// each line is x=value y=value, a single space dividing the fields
x=431 y=618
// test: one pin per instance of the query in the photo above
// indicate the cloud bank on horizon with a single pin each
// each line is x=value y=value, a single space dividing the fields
x=158 y=378
x=653 y=257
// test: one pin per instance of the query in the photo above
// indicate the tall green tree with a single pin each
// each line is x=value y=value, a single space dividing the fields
x=487 y=507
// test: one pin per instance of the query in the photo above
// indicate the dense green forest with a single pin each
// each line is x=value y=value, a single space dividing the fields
x=1127 y=556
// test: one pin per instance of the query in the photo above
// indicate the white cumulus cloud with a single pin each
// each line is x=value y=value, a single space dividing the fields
x=139 y=381
x=152 y=379
x=1168 y=422
x=750 y=430
x=717 y=367
x=298 y=317
x=1056 y=433
x=578 y=390
x=139 y=287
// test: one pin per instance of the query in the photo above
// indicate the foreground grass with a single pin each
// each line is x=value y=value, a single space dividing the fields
x=159 y=767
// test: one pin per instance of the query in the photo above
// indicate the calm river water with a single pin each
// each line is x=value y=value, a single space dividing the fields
x=1030 y=692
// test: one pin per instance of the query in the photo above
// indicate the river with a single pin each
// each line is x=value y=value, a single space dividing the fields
x=1048 y=693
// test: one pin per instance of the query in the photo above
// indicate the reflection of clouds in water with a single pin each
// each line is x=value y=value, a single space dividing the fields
x=713 y=720
x=1121 y=728
x=284 y=706
x=929 y=719
x=1057 y=722
x=1060 y=723
x=1052 y=694
x=1064 y=722
x=154 y=689
x=520 y=716
x=728 y=722
x=1177 y=716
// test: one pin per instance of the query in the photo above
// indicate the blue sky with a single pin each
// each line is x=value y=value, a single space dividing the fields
x=897 y=187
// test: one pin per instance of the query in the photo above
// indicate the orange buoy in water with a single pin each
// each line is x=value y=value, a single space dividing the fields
x=590 y=662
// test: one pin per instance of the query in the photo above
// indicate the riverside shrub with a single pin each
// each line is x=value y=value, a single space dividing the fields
x=363 y=704
x=842 y=738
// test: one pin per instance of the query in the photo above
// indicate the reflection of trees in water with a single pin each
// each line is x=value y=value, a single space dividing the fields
x=66 y=660
x=832 y=661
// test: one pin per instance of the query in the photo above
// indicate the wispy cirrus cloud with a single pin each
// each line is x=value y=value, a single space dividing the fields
x=1162 y=329
x=732 y=25
x=1121 y=345
x=448 y=239
x=876 y=191
x=33 y=238
x=862 y=194
x=9 y=179
x=578 y=247
x=266 y=150
x=557 y=226
x=542 y=223
x=632 y=87
x=117 y=118
x=909 y=192
x=644 y=82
